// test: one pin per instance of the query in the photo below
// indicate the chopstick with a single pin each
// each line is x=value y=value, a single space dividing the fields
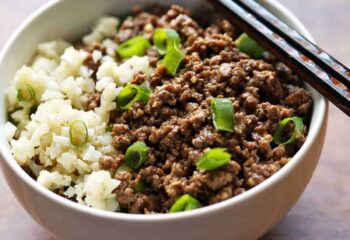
x=312 y=64
x=312 y=51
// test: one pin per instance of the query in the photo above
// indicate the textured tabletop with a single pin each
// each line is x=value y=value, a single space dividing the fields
x=323 y=211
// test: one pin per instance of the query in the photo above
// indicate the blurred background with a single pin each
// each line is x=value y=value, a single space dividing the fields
x=323 y=212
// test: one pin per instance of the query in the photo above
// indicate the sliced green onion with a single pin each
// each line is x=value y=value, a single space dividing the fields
x=298 y=129
x=25 y=93
x=249 y=46
x=173 y=59
x=136 y=155
x=184 y=203
x=165 y=38
x=167 y=41
x=132 y=93
x=140 y=187
x=136 y=46
x=78 y=133
x=223 y=114
x=109 y=127
x=213 y=159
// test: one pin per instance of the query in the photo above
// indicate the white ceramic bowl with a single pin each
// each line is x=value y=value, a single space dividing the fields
x=247 y=216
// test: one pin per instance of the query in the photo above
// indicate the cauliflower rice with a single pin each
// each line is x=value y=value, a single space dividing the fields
x=62 y=85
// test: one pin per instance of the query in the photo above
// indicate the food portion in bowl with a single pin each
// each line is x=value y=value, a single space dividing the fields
x=159 y=113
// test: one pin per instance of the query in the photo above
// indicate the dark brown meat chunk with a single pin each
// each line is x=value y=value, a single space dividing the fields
x=111 y=163
x=141 y=24
x=258 y=172
x=299 y=99
x=94 y=101
x=122 y=136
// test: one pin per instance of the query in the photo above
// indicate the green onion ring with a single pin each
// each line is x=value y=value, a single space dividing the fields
x=249 y=46
x=140 y=187
x=109 y=127
x=167 y=41
x=173 y=59
x=165 y=38
x=132 y=93
x=298 y=129
x=136 y=155
x=136 y=46
x=213 y=159
x=78 y=133
x=223 y=114
x=25 y=93
x=184 y=203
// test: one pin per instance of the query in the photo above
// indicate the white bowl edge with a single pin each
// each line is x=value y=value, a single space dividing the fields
x=318 y=117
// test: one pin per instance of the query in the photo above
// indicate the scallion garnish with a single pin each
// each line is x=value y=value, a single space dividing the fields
x=109 y=127
x=173 y=59
x=223 y=114
x=213 y=159
x=136 y=155
x=25 y=93
x=140 y=187
x=78 y=133
x=184 y=203
x=298 y=129
x=136 y=46
x=165 y=38
x=249 y=46
x=132 y=93
x=167 y=41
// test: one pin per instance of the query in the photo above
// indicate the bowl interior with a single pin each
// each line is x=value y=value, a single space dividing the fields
x=70 y=26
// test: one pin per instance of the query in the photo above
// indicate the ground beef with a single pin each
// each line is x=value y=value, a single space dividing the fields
x=258 y=172
x=141 y=23
x=94 y=101
x=89 y=62
x=176 y=123
x=109 y=162
x=122 y=136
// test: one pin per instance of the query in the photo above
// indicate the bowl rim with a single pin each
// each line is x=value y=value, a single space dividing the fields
x=318 y=117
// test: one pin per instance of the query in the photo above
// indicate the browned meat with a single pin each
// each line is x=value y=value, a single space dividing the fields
x=299 y=99
x=258 y=172
x=176 y=123
x=122 y=136
x=109 y=162
x=94 y=101
x=142 y=23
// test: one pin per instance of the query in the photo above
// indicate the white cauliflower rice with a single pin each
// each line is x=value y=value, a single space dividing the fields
x=38 y=130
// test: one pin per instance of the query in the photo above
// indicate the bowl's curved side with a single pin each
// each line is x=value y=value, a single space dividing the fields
x=246 y=219
x=246 y=216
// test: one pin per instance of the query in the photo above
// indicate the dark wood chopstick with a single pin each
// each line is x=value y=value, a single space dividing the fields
x=302 y=44
x=310 y=71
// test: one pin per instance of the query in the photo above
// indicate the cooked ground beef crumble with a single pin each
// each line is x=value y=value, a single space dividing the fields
x=176 y=123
